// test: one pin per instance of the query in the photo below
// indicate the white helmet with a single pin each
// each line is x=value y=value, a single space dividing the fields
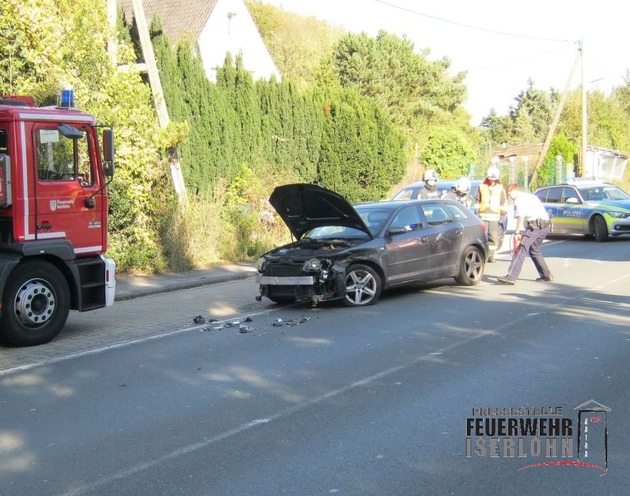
x=429 y=175
x=493 y=173
x=462 y=185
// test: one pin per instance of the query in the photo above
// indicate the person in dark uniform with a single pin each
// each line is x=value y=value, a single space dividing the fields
x=532 y=226
x=430 y=189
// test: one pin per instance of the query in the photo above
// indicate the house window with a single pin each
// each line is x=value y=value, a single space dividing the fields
x=231 y=16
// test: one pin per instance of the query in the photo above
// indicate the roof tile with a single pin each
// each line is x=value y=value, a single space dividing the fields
x=179 y=17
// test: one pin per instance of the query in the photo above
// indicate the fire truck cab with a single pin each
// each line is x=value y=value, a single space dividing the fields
x=53 y=218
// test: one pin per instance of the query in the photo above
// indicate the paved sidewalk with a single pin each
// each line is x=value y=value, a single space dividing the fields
x=130 y=286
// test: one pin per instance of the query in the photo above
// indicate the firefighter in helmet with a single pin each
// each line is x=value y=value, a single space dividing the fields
x=430 y=189
x=460 y=192
x=491 y=207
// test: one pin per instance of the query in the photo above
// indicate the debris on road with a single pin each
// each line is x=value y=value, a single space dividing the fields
x=292 y=322
x=200 y=319
x=244 y=329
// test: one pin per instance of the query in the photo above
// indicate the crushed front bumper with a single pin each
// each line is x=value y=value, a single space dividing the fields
x=323 y=284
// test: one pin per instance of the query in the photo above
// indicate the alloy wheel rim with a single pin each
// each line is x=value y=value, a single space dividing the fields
x=360 y=287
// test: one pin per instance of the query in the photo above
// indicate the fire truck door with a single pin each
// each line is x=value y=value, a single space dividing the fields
x=66 y=185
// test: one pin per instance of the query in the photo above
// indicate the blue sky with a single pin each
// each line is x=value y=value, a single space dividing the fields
x=500 y=44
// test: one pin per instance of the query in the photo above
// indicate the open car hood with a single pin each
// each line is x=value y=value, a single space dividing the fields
x=306 y=206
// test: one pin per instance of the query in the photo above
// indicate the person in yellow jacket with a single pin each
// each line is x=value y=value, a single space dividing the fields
x=491 y=208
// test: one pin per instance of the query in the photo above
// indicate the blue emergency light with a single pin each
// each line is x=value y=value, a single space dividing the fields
x=67 y=99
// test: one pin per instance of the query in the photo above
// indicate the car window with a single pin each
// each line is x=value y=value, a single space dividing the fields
x=445 y=187
x=590 y=194
x=542 y=195
x=615 y=193
x=553 y=195
x=435 y=214
x=408 y=218
x=374 y=219
x=405 y=194
x=604 y=192
x=569 y=193
x=456 y=211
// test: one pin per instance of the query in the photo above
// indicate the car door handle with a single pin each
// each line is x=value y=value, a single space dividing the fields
x=459 y=232
x=424 y=240
x=47 y=225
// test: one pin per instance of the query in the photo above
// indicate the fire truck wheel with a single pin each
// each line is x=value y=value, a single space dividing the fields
x=36 y=303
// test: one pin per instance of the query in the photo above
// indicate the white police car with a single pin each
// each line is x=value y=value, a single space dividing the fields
x=593 y=208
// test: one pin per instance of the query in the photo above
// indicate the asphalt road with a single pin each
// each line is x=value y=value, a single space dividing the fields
x=332 y=400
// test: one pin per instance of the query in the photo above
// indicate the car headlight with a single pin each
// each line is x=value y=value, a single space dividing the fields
x=311 y=265
x=261 y=264
x=619 y=215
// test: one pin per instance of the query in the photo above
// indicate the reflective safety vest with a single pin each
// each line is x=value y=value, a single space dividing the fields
x=492 y=204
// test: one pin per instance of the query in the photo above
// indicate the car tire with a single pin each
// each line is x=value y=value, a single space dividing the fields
x=36 y=304
x=363 y=286
x=599 y=228
x=471 y=267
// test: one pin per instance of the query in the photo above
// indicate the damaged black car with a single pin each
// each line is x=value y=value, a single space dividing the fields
x=353 y=253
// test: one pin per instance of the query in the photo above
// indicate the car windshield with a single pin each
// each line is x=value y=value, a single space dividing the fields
x=336 y=232
x=606 y=192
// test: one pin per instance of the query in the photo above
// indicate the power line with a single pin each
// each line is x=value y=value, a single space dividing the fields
x=469 y=26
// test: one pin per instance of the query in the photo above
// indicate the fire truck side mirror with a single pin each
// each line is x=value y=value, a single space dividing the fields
x=108 y=151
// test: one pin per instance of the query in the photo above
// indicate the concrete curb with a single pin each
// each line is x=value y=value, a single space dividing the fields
x=134 y=286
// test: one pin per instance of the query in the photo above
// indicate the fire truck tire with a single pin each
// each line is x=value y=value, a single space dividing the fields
x=35 y=304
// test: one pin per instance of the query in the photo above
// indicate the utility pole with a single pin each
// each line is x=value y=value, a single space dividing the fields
x=554 y=123
x=584 y=115
x=150 y=67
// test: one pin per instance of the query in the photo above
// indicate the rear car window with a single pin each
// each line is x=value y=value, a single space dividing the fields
x=456 y=211
x=553 y=195
x=436 y=214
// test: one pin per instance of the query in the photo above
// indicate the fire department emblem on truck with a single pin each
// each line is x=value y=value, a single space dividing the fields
x=60 y=204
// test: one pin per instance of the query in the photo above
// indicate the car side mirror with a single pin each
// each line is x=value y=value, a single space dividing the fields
x=395 y=230
x=573 y=200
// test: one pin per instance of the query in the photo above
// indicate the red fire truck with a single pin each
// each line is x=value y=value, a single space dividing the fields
x=53 y=218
